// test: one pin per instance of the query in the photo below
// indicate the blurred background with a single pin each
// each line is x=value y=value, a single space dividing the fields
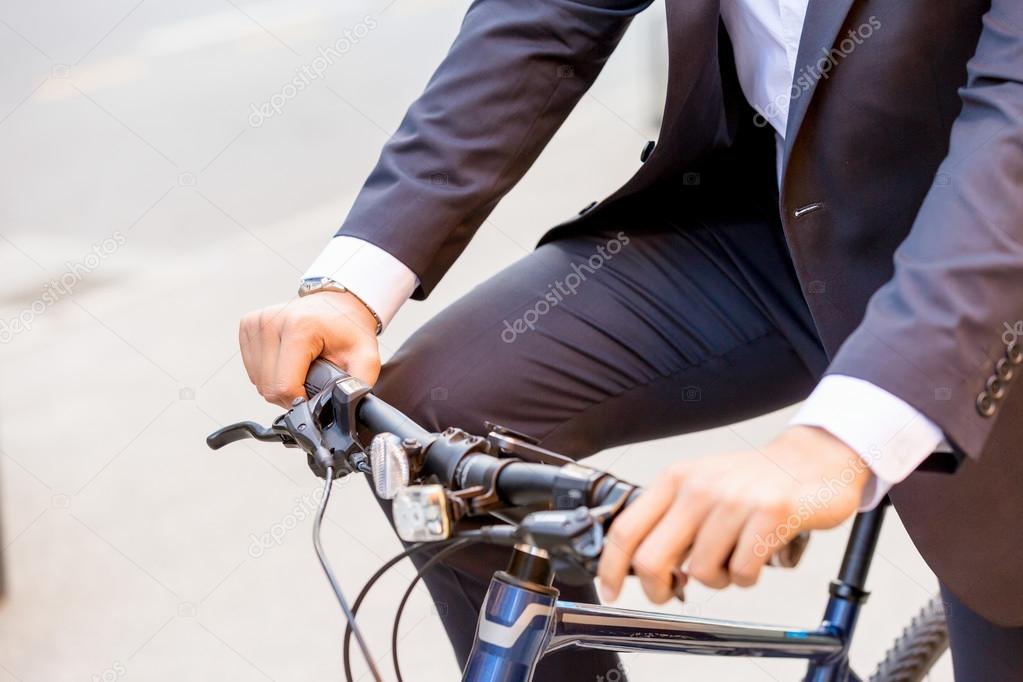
x=147 y=201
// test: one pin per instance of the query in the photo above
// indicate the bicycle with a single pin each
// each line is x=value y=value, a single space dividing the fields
x=553 y=514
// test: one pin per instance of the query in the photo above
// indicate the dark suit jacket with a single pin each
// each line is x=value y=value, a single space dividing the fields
x=901 y=202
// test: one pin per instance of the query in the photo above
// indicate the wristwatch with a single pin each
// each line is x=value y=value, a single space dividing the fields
x=316 y=284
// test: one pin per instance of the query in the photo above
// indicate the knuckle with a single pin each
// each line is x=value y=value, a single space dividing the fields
x=276 y=393
x=775 y=506
x=620 y=534
x=700 y=492
x=733 y=502
x=744 y=573
x=648 y=568
x=744 y=577
x=678 y=469
x=249 y=324
x=705 y=573
x=267 y=324
x=656 y=593
x=301 y=322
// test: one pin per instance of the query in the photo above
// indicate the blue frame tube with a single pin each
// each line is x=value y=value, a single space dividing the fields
x=521 y=621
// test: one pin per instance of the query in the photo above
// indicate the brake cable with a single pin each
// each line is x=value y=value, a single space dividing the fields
x=419 y=546
x=464 y=539
x=439 y=556
x=317 y=524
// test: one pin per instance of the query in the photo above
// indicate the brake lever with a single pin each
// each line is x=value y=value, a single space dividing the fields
x=302 y=423
x=247 y=429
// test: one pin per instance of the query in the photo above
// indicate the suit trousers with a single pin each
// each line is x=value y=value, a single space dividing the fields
x=655 y=326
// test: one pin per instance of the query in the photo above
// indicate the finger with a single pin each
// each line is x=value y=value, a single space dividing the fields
x=628 y=530
x=365 y=365
x=296 y=352
x=269 y=348
x=760 y=538
x=666 y=546
x=248 y=343
x=716 y=541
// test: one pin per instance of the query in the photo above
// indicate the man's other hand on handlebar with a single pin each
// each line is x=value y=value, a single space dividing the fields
x=726 y=515
x=279 y=343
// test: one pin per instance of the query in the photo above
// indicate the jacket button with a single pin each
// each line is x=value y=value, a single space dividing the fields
x=985 y=405
x=1014 y=353
x=995 y=388
x=587 y=208
x=1004 y=370
x=647 y=151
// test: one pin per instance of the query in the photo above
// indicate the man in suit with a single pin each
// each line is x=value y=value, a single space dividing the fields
x=833 y=209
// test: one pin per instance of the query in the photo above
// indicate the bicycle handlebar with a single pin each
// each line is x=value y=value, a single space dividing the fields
x=516 y=483
x=341 y=415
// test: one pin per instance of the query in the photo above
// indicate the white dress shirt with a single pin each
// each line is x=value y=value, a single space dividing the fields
x=889 y=435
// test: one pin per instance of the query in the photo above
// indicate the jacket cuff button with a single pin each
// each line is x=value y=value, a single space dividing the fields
x=995 y=388
x=1014 y=353
x=1004 y=370
x=985 y=405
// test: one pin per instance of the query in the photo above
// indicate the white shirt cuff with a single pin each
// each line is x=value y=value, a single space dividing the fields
x=888 y=434
x=380 y=280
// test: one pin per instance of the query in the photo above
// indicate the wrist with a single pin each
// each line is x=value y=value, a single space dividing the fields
x=351 y=306
x=327 y=285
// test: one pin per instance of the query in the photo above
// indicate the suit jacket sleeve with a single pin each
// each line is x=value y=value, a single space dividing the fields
x=511 y=77
x=933 y=334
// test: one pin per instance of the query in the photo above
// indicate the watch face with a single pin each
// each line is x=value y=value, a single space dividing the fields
x=309 y=286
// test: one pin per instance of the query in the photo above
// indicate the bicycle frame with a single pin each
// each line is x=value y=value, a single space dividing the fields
x=522 y=619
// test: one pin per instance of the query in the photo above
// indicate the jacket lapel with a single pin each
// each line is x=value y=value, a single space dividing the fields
x=824 y=19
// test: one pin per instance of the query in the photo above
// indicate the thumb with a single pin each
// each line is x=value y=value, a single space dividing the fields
x=364 y=365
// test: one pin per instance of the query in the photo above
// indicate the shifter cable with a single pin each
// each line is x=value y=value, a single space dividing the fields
x=462 y=540
x=439 y=556
x=317 y=523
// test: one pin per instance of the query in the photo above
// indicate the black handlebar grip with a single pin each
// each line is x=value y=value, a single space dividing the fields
x=374 y=415
x=322 y=373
